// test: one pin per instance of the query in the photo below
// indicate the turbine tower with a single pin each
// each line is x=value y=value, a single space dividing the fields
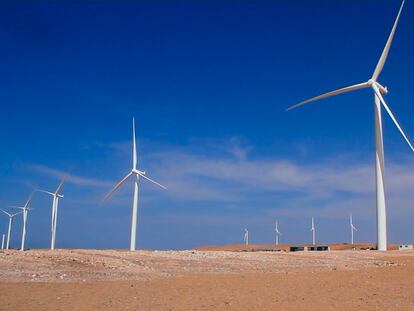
x=378 y=91
x=352 y=228
x=246 y=236
x=313 y=230
x=10 y=215
x=2 y=241
x=25 y=208
x=136 y=174
x=55 y=203
x=277 y=232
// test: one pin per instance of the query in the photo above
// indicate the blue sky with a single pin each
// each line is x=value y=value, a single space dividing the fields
x=208 y=83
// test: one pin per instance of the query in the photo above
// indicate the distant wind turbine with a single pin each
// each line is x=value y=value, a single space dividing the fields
x=246 y=236
x=10 y=215
x=277 y=232
x=313 y=230
x=55 y=203
x=136 y=174
x=25 y=208
x=352 y=229
x=379 y=91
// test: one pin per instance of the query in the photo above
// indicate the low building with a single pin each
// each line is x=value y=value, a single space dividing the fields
x=404 y=247
x=298 y=248
x=309 y=248
x=319 y=248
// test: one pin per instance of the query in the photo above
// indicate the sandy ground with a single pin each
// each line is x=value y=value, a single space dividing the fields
x=206 y=280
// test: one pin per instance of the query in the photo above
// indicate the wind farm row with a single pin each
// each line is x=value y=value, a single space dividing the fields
x=136 y=173
x=278 y=234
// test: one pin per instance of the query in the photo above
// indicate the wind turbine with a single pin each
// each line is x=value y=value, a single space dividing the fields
x=56 y=196
x=25 y=208
x=246 y=236
x=10 y=225
x=313 y=230
x=136 y=174
x=379 y=91
x=2 y=241
x=352 y=228
x=277 y=232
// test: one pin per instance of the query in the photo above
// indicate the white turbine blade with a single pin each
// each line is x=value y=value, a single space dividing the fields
x=44 y=191
x=6 y=212
x=116 y=187
x=378 y=93
x=134 y=146
x=29 y=199
x=153 y=181
x=19 y=207
x=61 y=184
x=384 y=54
x=12 y=215
x=332 y=93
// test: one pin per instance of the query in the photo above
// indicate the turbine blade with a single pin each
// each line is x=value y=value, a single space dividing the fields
x=332 y=93
x=134 y=147
x=116 y=187
x=6 y=212
x=153 y=181
x=19 y=207
x=44 y=191
x=61 y=184
x=378 y=93
x=29 y=199
x=16 y=214
x=384 y=54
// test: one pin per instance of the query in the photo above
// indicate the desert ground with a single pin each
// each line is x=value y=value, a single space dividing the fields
x=206 y=280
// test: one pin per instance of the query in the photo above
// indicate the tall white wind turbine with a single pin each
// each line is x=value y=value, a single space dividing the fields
x=246 y=236
x=277 y=232
x=55 y=204
x=2 y=241
x=351 y=224
x=136 y=174
x=10 y=215
x=25 y=208
x=378 y=91
x=313 y=230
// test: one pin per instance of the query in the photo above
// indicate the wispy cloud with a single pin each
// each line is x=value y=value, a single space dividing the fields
x=72 y=178
x=329 y=187
x=226 y=175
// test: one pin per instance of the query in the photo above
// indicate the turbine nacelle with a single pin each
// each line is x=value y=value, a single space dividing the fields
x=383 y=89
x=51 y=193
x=138 y=172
